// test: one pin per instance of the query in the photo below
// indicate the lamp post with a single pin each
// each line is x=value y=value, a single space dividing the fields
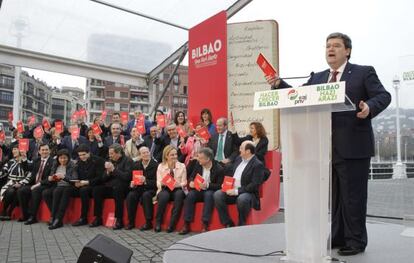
x=398 y=167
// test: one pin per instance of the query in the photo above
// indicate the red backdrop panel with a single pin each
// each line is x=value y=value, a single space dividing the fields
x=207 y=70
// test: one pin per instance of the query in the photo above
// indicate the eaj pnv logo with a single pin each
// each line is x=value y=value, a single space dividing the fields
x=292 y=94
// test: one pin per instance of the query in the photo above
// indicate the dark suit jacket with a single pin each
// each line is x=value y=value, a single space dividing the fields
x=352 y=137
x=216 y=175
x=121 y=175
x=67 y=144
x=230 y=147
x=34 y=168
x=165 y=140
x=91 y=170
x=251 y=179
x=261 y=147
x=150 y=174
x=157 y=154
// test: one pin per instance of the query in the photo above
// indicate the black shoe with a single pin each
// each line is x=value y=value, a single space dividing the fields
x=129 y=226
x=146 y=226
x=31 y=220
x=118 y=225
x=157 y=227
x=56 y=224
x=6 y=218
x=185 y=230
x=170 y=229
x=350 y=251
x=230 y=224
x=80 y=222
x=96 y=222
x=51 y=221
x=22 y=219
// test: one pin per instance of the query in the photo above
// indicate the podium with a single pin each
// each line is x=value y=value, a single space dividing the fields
x=305 y=126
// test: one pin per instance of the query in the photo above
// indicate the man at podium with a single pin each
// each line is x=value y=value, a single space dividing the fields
x=352 y=141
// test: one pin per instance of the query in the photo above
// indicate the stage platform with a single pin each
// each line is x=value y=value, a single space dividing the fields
x=385 y=245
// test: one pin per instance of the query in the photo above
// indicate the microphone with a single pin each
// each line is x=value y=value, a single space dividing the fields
x=300 y=77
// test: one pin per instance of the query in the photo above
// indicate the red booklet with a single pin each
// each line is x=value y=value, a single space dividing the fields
x=38 y=132
x=96 y=129
x=266 y=67
x=32 y=120
x=141 y=117
x=181 y=132
x=82 y=112
x=10 y=116
x=228 y=183
x=169 y=181
x=136 y=174
x=24 y=145
x=141 y=127
x=197 y=181
x=203 y=133
x=74 y=132
x=124 y=117
x=75 y=116
x=59 y=126
x=103 y=115
x=20 y=127
x=2 y=137
x=161 y=121
x=46 y=124
x=110 y=220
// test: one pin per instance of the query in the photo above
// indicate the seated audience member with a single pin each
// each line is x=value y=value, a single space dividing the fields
x=90 y=169
x=64 y=172
x=144 y=191
x=171 y=138
x=212 y=174
x=40 y=171
x=131 y=146
x=248 y=173
x=257 y=136
x=223 y=144
x=170 y=166
x=116 y=180
x=207 y=119
x=17 y=173
x=181 y=121
x=155 y=150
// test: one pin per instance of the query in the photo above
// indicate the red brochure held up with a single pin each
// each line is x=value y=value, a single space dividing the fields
x=169 y=181
x=96 y=129
x=24 y=145
x=266 y=67
x=136 y=174
x=59 y=126
x=181 y=132
x=20 y=127
x=46 y=124
x=203 y=133
x=197 y=181
x=38 y=132
x=161 y=121
x=124 y=117
x=10 y=116
x=228 y=183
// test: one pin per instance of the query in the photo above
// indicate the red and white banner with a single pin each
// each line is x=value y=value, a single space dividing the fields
x=207 y=71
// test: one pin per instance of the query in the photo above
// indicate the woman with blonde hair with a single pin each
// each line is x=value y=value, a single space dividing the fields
x=170 y=166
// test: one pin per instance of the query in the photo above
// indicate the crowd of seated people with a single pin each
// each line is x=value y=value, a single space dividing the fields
x=135 y=162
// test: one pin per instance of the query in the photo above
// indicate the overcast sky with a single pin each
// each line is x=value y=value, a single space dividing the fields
x=381 y=32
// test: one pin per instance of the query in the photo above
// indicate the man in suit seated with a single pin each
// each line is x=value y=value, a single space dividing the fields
x=352 y=141
x=223 y=144
x=248 y=173
x=90 y=169
x=116 y=180
x=40 y=171
x=213 y=175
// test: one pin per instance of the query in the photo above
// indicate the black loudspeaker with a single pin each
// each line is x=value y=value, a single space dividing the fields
x=104 y=249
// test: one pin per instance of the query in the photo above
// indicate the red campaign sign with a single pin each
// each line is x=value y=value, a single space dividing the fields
x=32 y=120
x=46 y=124
x=38 y=132
x=10 y=116
x=59 y=126
x=82 y=112
x=74 y=132
x=24 y=145
x=2 y=137
x=103 y=115
x=181 y=132
x=141 y=117
x=141 y=127
x=228 y=183
x=20 y=127
x=75 y=116
x=96 y=129
x=266 y=67
x=124 y=117
x=161 y=121
x=136 y=174
x=203 y=133
x=197 y=181
x=207 y=67
x=169 y=181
